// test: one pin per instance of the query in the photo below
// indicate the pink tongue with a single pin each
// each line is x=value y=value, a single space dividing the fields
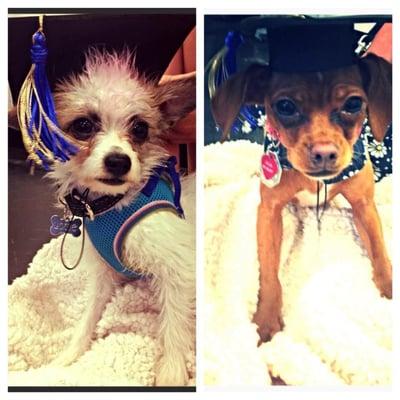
x=269 y=166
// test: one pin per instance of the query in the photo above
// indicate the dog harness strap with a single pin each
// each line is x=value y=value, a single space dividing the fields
x=171 y=173
x=380 y=154
x=108 y=230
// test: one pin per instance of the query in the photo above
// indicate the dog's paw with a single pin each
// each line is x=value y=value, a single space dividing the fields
x=385 y=287
x=171 y=371
x=383 y=281
x=268 y=324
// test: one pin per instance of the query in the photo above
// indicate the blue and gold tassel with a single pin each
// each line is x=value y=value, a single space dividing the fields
x=43 y=139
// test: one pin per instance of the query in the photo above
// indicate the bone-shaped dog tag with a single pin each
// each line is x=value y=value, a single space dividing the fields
x=61 y=225
x=271 y=169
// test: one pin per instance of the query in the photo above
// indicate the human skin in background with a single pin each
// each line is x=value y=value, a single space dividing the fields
x=184 y=132
x=382 y=43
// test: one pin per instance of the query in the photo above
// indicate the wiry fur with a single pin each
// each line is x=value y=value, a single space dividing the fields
x=161 y=245
x=111 y=87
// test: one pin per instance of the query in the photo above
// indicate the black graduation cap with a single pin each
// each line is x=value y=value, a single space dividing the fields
x=312 y=43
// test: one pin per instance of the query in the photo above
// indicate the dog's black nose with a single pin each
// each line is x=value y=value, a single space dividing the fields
x=117 y=164
x=324 y=155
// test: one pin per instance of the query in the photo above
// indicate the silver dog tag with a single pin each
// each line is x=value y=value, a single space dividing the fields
x=270 y=169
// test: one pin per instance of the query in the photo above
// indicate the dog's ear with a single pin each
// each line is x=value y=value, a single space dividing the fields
x=248 y=87
x=376 y=73
x=13 y=119
x=176 y=97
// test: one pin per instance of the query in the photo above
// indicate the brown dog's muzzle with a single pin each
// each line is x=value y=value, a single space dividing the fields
x=320 y=157
x=323 y=156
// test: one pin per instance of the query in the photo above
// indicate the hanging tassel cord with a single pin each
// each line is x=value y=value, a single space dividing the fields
x=221 y=67
x=223 y=64
x=83 y=199
x=319 y=216
x=44 y=141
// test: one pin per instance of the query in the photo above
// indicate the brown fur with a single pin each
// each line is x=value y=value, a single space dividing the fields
x=317 y=95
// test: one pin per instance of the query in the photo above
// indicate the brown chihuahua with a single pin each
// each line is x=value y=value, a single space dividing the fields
x=318 y=117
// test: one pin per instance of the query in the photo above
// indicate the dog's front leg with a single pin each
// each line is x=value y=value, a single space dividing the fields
x=369 y=226
x=361 y=197
x=100 y=287
x=163 y=245
x=269 y=236
x=177 y=320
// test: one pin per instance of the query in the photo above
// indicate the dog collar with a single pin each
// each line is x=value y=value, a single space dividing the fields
x=80 y=207
x=366 y=146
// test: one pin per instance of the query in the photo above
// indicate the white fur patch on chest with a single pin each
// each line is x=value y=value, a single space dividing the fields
x=309 y=199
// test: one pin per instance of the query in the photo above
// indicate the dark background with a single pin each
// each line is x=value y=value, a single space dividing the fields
x=69 y=36
x=154 y=34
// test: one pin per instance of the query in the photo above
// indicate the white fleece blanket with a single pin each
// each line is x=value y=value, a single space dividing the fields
x=337 y=327
x=44 y=305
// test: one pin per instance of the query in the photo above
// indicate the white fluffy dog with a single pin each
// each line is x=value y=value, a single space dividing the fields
x=119 y=120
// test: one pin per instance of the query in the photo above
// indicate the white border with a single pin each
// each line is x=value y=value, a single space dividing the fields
x=213 y=7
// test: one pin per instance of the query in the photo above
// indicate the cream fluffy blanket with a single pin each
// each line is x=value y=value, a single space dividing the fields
x=337 y=328
x=44 y=305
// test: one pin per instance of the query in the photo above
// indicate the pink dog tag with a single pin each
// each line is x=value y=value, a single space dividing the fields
x=271 y=170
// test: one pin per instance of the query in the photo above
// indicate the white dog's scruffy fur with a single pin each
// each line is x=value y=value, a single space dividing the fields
x=161 y=245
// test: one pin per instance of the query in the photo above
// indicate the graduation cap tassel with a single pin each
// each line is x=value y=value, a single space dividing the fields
x=223 y=64
x=43 y=139
x=221 y=67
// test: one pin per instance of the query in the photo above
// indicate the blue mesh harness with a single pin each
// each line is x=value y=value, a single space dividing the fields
x=108 y=229
x=380 y=154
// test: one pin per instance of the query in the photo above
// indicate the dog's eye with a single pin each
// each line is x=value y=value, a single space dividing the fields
x=352 y=105
x=286 y=108
x=140 y=129
x=82 y=128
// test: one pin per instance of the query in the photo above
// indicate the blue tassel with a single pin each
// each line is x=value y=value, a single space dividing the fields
x=222 y=66
x=43 y=139
x=232 y=42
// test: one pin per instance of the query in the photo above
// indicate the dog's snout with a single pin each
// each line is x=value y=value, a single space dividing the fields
x=324 y=154
x=117 y=164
